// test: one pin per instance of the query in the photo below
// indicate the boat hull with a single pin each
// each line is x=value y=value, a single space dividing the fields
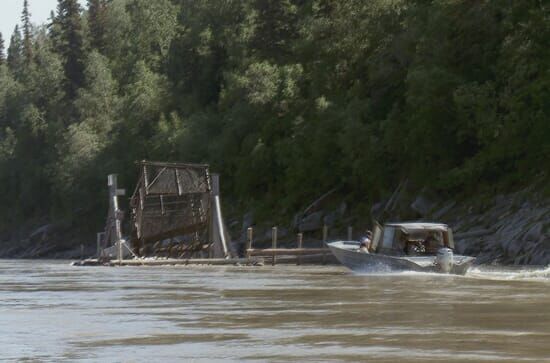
x=346 y=252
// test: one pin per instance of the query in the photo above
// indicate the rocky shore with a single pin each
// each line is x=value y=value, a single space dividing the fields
x=59 y=240
x=507 y=229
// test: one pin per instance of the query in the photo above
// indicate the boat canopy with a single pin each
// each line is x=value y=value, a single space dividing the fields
x=419 y=226
x=400 y=238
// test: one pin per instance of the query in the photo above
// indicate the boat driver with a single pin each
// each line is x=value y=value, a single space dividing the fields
x=366 y=242
x=433 y=242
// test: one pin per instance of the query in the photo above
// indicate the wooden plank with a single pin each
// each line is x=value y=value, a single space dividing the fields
x=300 y=245
x=274 y=245
x=285 y=251
x=191 y=261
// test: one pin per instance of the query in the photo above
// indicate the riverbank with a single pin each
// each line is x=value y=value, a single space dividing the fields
x=501 y=229
x=504 y=229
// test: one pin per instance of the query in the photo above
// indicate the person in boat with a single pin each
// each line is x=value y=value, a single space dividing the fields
x=366 y=241
x=364 y=247
x=433 y=242
x=415 y=248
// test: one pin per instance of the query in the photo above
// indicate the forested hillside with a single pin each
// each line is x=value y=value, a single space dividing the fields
x=286 y=99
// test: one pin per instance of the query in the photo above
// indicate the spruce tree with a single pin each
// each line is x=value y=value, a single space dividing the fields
x=27 y=36
x=15 y=51
x=96 y=19
x=2 y=52
x=70 y=43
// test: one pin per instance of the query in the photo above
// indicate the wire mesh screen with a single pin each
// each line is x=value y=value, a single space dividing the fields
x=170 y=200
x=174 y=179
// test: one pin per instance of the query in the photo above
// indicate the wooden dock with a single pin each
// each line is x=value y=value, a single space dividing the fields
x=289 y=255
x=172 y=262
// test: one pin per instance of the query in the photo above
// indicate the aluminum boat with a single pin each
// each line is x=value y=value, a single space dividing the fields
x=423 y=247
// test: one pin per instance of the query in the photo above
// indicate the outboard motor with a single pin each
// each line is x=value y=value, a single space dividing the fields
x=444 y=260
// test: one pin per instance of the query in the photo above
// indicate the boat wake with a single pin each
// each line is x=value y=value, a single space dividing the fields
x=503 y=274
x=524 y=274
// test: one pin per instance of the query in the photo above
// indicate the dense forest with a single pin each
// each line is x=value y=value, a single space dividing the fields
x=286 y=99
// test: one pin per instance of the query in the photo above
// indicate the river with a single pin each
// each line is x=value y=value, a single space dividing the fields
x=50 y=311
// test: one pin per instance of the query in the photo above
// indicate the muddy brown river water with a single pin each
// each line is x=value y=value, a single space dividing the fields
x=50 y=311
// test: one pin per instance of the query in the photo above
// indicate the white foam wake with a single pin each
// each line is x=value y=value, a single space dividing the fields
x=522 y=274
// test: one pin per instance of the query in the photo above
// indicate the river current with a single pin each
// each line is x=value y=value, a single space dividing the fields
x=51 y=312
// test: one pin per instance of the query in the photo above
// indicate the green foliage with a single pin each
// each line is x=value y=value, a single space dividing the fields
x=27 y=41
x=70 y=43
x=97 y=13
x=286 y=99
x=2 y=50
x=15 y=52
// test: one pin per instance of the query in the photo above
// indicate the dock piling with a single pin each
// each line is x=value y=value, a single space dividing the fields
x=274 y=244
x=300 y=238
x=99 y=237
x=350 y=233
x=249 y=239
x=325 y=238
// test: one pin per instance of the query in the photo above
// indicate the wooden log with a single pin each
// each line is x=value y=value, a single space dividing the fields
x=274 y=244
x=300 y=237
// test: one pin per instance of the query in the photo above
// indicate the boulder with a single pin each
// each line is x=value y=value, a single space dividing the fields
x=312 y=222
x=296 y=221
x=540 y=255
x=534 y=233
x=248 y=220
x=41 y=233
x=342 y=209
x=438 y=214
x=422 y=205
x=331 y=218
x=377 y=209
x=460 y=246
x=281 y=233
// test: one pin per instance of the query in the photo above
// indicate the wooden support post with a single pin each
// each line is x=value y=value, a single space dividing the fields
x=249 y=239
x=300 y=238
x=120 y=250
x=325 y=238
x=99 y=237
x=274 y=244
x=218 y=218
x=114 y=192
x=81 y=252
x=350 y=233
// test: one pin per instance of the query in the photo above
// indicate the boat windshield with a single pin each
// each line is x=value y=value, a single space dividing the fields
x=414 y=241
